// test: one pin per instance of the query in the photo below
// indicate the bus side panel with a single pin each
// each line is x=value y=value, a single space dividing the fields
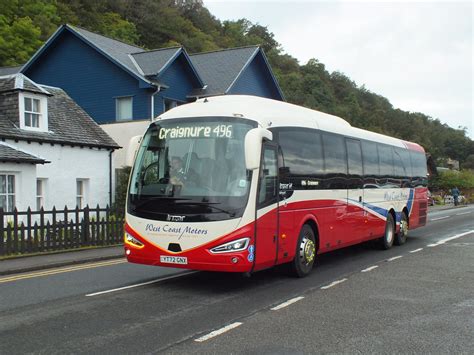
x=266 y=234
x=287 y=236
x=329 y=215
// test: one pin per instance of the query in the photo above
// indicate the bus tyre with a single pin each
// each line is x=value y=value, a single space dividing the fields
x=305 y=252
x=386 y=241
x=402 y=234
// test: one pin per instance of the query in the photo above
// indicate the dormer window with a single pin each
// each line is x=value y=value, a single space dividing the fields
x=33 y=112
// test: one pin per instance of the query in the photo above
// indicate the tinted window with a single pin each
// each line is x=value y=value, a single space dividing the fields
x=371 y=158
x=354 y=157
x=268 y=178
x=401 y=158
x=334 y=154
x=301 y=152
x=386 y=160
x=418 y=164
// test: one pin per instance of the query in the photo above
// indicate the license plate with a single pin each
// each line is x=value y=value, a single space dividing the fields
x=174 y=259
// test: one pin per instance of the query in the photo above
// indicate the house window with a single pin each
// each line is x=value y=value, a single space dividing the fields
x=123 y=106
x=7 y=192
x=81 y=192
x=40 y=192
x=33 y=112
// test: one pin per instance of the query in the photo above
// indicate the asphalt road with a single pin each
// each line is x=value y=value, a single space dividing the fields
x=417 y=298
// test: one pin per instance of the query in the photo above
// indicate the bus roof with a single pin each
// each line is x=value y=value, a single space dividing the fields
x=272 y=113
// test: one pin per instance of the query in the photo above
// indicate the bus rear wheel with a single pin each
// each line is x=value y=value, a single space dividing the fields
x=386 y=241
x=305 y=252
x=401 y=236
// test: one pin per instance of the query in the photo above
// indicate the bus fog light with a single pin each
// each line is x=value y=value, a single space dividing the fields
x=234 y=260
x=235 y=245
x=127 y=252
x=129 y=240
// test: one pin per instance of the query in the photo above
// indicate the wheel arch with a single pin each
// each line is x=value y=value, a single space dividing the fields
x=313 y=223
x=405 y=209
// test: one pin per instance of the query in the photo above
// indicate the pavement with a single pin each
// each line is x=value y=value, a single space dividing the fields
x=47 y=261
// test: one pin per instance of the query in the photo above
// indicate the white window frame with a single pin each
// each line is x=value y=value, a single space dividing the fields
x=82 y=198
x=6 y=193
x=40 y=198
x=43 y=114
x=117 y=118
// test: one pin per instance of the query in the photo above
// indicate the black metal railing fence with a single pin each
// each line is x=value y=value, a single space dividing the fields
x=27 y=232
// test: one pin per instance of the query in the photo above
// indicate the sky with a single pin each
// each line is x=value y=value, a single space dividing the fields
x=417 y=54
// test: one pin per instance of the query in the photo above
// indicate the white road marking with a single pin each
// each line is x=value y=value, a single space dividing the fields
x=460 y=214
x=218 y=332
x=442 y=241
x=370 y=268
x=334 y=283
x=395 y=258
x=141 y=284
x=437 y=219
x=287 y=303
x=416 y=250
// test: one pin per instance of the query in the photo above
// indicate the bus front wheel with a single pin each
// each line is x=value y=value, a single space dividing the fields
x=305 y=252
x=386 y=241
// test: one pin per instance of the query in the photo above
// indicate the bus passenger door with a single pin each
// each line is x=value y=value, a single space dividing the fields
x=266 y=243
x=355 y=191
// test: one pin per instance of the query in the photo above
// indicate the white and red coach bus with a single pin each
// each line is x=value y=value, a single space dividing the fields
x=241 y=183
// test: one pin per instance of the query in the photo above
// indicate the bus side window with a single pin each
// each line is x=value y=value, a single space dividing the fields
x=419 y=169
x=268 y=192
x=371 y=164
x=401 y=158
x=386 y=165
x=335 y=162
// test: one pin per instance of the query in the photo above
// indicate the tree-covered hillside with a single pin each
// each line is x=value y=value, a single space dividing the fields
x=26 y=24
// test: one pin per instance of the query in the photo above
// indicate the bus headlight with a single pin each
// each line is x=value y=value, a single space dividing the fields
x=235 y=245
x=128 y=239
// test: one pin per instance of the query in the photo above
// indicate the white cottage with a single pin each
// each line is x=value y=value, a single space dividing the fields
x=51 y=151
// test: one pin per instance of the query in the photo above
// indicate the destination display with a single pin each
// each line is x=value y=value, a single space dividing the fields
x=204 y=131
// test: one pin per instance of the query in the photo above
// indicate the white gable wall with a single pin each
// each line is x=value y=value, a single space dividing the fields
x=67 y=164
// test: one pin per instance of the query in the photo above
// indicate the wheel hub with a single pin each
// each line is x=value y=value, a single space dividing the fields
x=404 y=227
x=307 y=251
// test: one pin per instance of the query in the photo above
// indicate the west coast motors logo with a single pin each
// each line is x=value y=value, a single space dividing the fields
x=172 y=218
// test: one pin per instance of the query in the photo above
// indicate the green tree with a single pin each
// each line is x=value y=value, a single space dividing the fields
x=19 y=39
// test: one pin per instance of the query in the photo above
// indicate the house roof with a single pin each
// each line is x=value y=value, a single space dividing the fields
x=153 y=62
x=20 y=82
x=215 y=71
x=9 y=70
x=220 y=69
x=135 y=60
x=68 y=123
x=15 y=155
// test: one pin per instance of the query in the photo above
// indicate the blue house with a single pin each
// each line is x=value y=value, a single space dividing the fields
x=117 y=82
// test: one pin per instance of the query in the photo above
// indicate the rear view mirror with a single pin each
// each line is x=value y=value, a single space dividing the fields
x=253 y=146
x=132 y=149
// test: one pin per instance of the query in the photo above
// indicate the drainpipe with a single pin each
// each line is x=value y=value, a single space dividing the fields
x=110 y=178
x=153 y=101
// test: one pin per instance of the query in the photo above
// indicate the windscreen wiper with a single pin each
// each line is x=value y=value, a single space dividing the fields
x=162 y=198
x=207 y=204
